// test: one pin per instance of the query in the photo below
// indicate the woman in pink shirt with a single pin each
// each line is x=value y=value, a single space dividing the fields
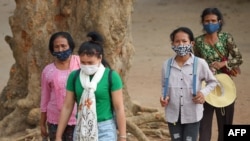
x=53 y=85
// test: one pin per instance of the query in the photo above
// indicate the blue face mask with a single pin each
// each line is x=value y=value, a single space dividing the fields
x=62 y=55
x=211 y=28
x=182 y=50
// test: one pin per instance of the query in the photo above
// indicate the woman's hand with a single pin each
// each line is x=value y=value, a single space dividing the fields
x=219 y=65
x=43 y=124
x=164 y=102
x=58 y=139
x=117 y=99
x=199 y=98
x=44 y=132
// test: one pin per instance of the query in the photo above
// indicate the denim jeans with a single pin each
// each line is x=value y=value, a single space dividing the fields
x=184 y=132
x=106 y=131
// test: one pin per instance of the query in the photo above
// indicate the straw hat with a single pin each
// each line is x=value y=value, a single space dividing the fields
x=225 y=92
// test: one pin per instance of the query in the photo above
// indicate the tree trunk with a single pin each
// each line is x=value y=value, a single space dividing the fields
x=33 y=23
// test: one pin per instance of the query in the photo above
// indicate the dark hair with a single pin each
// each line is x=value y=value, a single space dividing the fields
x=65 y=35
x=93 y=47
x=182 y=29
x=214 y=11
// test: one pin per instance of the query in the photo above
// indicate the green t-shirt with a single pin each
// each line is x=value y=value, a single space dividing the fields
x=103 y=99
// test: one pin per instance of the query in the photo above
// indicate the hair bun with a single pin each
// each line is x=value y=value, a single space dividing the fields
x=95 y=37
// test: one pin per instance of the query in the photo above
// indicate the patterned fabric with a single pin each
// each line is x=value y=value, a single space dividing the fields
x=86 y=129
x=182 y=50
x=53 y=90
x=67 y=135
x=225 y=45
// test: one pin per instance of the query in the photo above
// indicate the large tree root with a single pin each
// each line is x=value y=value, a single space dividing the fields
x=145 y=124
x=27 y=135
x=32 y=135
x=147 y=121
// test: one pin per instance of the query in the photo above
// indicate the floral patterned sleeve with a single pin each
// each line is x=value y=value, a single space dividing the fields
x=196 y=51
x=195 y=48
x=236 y=59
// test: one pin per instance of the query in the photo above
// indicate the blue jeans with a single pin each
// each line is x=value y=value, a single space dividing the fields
x=106 y=131
x=184 y=132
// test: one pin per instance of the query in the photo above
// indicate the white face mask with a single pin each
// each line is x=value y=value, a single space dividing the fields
x=89 y=69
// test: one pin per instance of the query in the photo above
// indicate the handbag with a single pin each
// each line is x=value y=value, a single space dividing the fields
x=229 y=71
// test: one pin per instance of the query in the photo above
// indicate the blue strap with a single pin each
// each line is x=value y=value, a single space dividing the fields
x=168 y=74
x=194 y=76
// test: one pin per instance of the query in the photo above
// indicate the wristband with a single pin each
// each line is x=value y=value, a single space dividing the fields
x=124 y=137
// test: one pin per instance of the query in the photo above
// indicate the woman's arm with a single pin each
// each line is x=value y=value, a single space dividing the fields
x=65 y=114
x=45 y=97
x=43 y=124
x=234 y=51
x=117 y=99
x=207 y=76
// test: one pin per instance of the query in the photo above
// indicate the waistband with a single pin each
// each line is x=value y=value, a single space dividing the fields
x=110 y=121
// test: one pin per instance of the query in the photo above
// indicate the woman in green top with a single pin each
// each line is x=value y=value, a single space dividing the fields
x=220 y=51
x=91 y=88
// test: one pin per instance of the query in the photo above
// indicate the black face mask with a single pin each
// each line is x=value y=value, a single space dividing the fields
x=62 y=55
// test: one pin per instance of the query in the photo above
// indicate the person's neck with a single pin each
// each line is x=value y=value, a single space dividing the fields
x=211 y=39
x=62 y=65
x=182 y=59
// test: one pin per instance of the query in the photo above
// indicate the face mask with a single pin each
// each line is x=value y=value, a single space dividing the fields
x=62 y=55
x=211 y=28
x=182 y=50
x=89 y=69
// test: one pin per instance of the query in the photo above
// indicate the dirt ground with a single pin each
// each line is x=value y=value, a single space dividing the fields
x=153 y=21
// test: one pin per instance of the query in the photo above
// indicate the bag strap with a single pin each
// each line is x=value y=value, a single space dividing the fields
x=218 y=52
x=168 y=74
x=110 y=83
x=74 y=80
x=167 y=77
x=194 y=75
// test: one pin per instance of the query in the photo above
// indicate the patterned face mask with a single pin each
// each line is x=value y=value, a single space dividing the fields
x=182 y=50
x=62 y=55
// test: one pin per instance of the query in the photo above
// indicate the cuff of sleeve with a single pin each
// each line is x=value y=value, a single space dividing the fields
x=226 y=64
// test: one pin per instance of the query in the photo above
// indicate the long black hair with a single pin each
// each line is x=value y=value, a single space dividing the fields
x=94 y=46
x=65 y=35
